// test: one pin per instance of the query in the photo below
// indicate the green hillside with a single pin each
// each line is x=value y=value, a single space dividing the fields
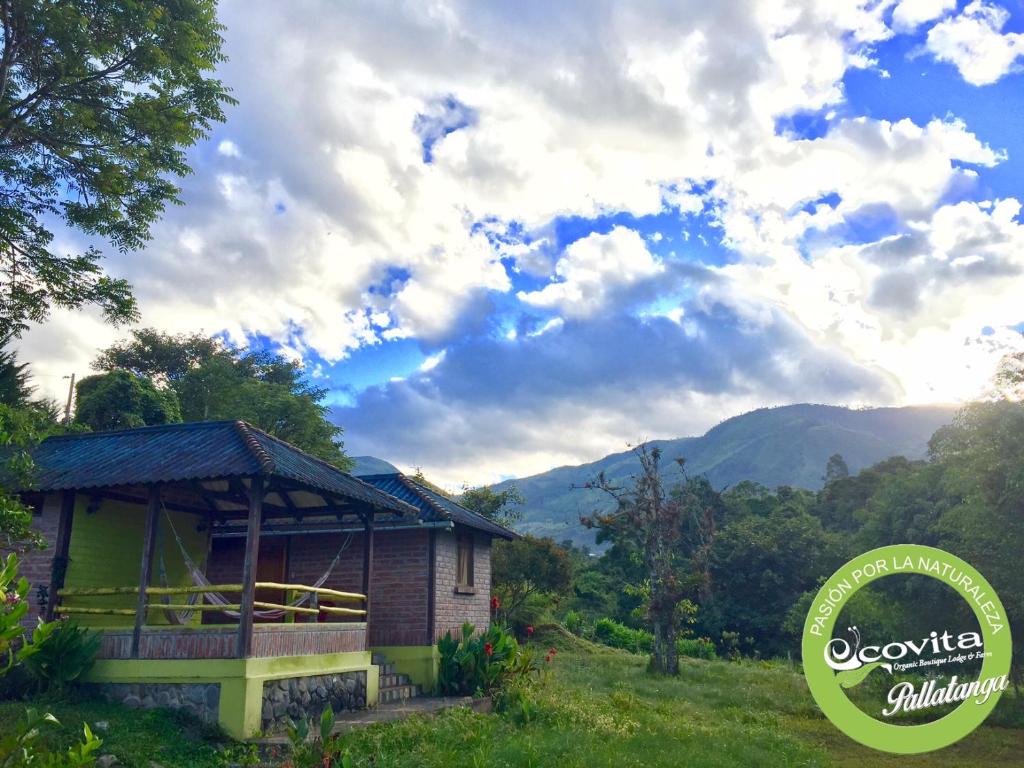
x=371 y=465
x=788 y=445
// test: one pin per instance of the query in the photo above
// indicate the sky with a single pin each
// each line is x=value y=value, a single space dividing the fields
x=511 y=236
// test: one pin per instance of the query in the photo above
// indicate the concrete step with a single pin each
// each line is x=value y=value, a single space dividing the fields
x=390 y=681
x=398 y=693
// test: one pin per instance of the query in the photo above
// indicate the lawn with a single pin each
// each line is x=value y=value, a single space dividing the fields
x=600 y=708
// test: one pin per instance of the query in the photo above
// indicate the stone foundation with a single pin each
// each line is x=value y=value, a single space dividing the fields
x=302 y=698
x=199 y=699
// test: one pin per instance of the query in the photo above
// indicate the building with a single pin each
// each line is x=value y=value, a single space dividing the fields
x=237 y=577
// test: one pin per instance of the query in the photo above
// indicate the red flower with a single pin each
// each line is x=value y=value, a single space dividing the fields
x=547 y=658
x=495 y=603
x=488 y=649
x=552 y=651
x=529 y=630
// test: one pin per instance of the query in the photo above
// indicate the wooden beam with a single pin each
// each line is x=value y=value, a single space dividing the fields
x=59 y=565
x=367 y=569
x=252 y=554
x=146 y=569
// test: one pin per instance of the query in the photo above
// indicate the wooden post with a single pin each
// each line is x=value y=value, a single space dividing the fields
x=367 y=567
x=59 y=565
x=252 y=556
x=146 y=570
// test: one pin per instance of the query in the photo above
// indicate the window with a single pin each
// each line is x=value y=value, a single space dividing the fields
x=464 y=562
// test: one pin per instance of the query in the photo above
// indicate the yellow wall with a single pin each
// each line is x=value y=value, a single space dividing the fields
x=106 y=551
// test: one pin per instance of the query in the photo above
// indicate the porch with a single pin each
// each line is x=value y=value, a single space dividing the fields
x=149 y=501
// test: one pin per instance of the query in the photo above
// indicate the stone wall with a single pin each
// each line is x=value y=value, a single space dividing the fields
x=453 y=608
x=199 y=699
x=302 y=698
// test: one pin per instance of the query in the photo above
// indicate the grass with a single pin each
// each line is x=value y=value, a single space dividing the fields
x=603 y=709
x=138 y=738
x=600 y=708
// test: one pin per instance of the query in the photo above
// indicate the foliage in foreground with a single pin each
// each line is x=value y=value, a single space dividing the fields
x=22 y=746
x=479 y=664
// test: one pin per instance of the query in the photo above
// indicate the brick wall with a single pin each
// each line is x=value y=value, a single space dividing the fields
x=452 y=610
x=398 y=592
x=36 y=564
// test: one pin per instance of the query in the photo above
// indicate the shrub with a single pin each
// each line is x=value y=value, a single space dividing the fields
x=697 y=648
x=575 y=623
x=13 y=607
x=322 y=751
x=20 y=747
x=481 y=664
x=616 y=635
x=63 y=657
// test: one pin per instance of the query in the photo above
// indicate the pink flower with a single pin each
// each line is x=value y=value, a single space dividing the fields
x=529 y=630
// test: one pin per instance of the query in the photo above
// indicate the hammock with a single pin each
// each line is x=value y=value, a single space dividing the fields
x=215 y=598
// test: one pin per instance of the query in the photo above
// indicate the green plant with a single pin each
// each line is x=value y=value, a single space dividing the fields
x=697 y=648
x=612 y=633
x=13 y=607
x=731 y=645
x=323 y=750
x=21 y=748
x=480 y=664
x=575 y=622
x=62 y=658
x=238 y=755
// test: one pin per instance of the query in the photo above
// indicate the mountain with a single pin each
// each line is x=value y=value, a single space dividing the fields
x=371 y=465
x=789 y=445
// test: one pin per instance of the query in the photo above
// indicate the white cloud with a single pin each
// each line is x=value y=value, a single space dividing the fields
x=330 y=232
x=973 y=42
x=908 y=15
x=592 y=270
x=228 y=148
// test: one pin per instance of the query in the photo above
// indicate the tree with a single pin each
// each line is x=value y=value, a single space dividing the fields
x=673 y=533
x=212 y=380
x=160 y=356
x=494 y=505
x=771 y=551
x=14 y=387
x=121 y=400
x=982 y=458
x=1008 y=382
x=20 y=430
x=527 y=567
x=98 y=102
x=835 y=469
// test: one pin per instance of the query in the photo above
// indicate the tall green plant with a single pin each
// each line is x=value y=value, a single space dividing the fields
x=479 y=664
x=322 y=750
x=20 y=748
x=64 y=657
x=13 y=608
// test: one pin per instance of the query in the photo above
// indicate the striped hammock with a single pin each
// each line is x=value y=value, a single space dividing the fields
x=199 y=579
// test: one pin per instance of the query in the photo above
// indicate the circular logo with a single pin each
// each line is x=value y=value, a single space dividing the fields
x=832 y=664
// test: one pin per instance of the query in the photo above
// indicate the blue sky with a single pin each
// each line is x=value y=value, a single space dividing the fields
x=507 y=238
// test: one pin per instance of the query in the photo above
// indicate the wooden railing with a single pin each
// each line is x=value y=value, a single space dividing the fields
x=314 y=594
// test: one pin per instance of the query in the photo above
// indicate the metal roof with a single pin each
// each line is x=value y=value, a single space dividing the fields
x=433 y=506
x=202 y=450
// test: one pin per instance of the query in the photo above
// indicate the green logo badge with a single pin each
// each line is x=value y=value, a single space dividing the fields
x=837 y=661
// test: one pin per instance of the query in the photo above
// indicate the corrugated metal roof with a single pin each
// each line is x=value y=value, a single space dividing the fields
x=433 y=506
x=194 y=451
